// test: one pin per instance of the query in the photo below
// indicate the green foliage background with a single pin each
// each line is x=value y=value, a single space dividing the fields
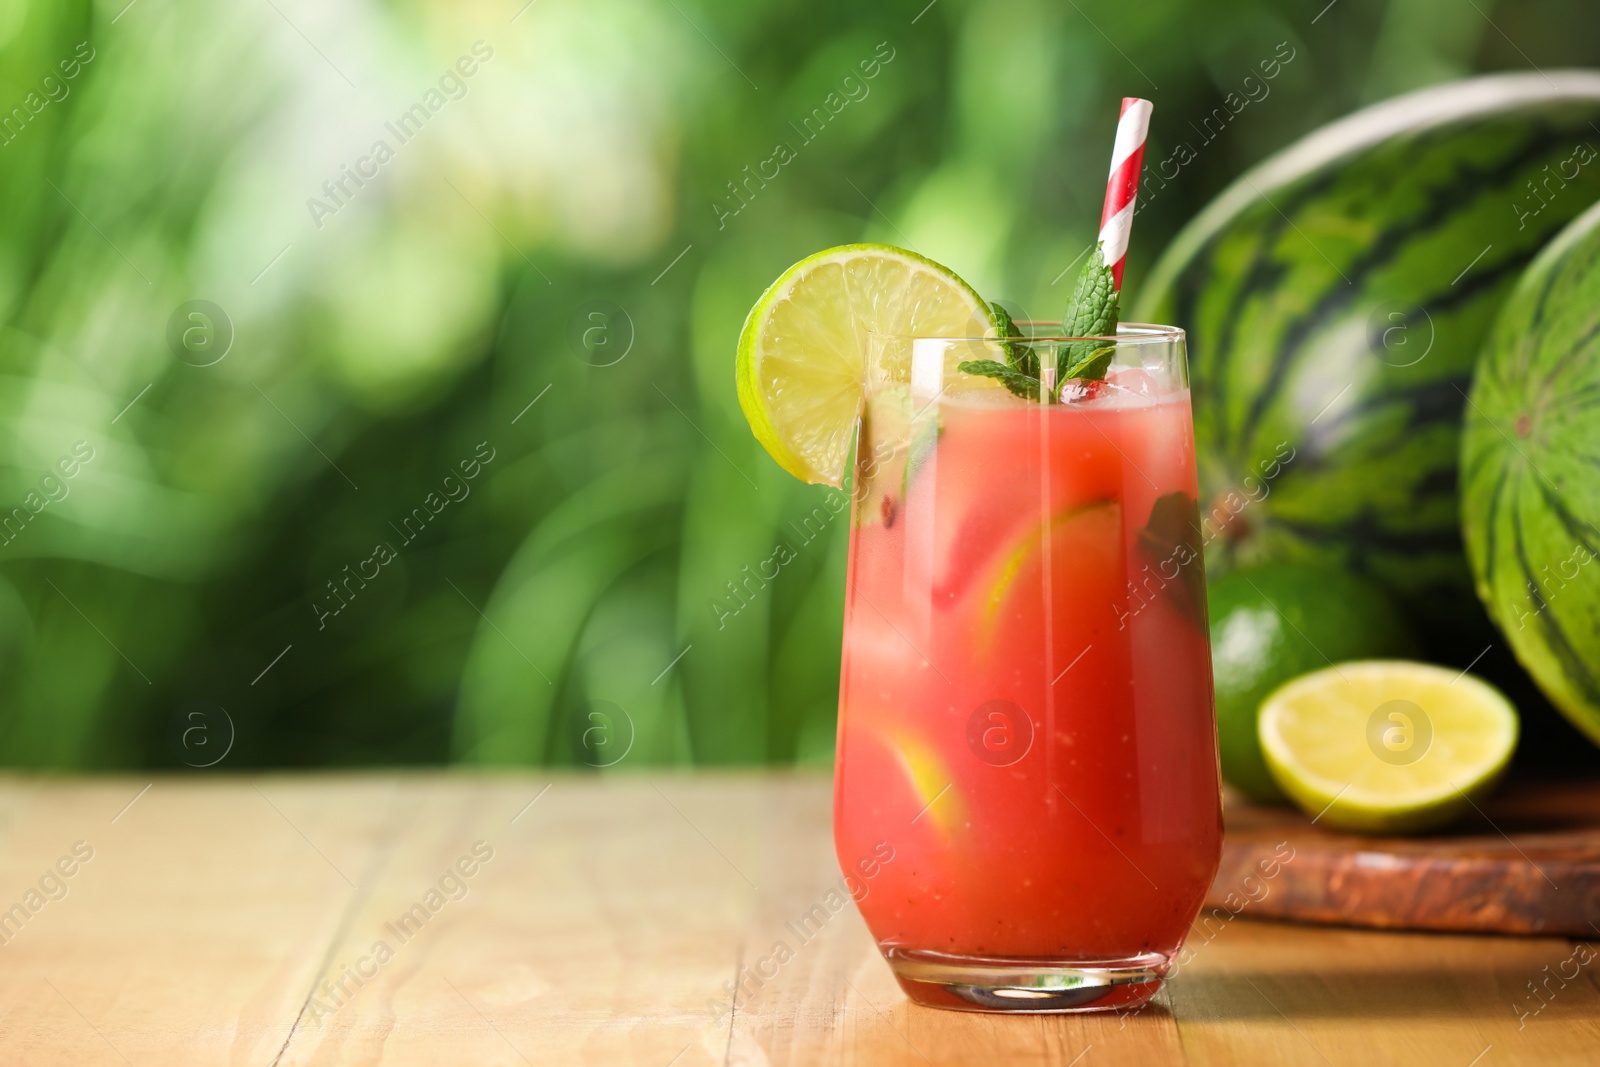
x=371 y=354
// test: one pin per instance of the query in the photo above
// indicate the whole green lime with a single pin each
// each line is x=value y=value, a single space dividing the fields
x=1274 y=622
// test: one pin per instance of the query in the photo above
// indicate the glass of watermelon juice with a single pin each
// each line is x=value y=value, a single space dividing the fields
x=1026 y=722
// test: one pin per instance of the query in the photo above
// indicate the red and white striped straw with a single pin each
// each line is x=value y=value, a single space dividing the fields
x=1122 y=187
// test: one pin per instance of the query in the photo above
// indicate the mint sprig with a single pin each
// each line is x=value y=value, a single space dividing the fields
x=1092 y=313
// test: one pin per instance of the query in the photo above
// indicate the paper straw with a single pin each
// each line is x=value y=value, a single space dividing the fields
x=1122 y=186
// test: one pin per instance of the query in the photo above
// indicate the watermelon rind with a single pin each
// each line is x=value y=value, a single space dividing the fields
x=1335 y=298
x=1530 y=463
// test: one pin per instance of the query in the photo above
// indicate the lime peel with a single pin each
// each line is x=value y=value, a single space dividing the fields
x=803 y=365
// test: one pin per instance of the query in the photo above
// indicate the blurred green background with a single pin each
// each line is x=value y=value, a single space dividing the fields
x=562 y=217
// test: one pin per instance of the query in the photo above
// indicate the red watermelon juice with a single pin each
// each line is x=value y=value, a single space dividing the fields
x=1026 y=711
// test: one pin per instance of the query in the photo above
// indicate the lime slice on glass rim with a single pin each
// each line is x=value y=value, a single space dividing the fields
x=1387 y=746
x=805 y=361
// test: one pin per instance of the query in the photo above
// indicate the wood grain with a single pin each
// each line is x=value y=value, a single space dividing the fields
x=225 y=920
x=1527 y=862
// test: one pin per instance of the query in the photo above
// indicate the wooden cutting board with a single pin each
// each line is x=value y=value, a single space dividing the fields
x=1529 y=863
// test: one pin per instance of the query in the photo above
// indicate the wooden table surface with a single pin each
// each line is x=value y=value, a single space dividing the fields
x=327 y=920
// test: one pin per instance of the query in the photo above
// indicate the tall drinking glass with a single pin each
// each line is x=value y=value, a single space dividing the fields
x=1027 y=795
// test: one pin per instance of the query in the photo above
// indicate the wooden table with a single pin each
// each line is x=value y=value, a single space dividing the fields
x=580 y=920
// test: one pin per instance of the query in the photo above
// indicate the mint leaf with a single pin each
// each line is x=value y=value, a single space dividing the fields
x=1092 y=313
x=1172 y=547
x=1085 y=361
x=1019 y=357
x=1020 y=383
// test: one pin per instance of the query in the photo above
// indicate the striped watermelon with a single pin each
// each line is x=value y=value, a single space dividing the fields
x=1530 y=464
x=1335 y=299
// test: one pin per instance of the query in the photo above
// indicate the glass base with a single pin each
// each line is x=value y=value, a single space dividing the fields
x=1021 y=984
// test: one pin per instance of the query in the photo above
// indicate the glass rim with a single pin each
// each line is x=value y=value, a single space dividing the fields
x=1128 y=334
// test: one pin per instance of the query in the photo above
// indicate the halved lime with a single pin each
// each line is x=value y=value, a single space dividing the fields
x=1386 y=746
x=805 y=362
x=1088 y=536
